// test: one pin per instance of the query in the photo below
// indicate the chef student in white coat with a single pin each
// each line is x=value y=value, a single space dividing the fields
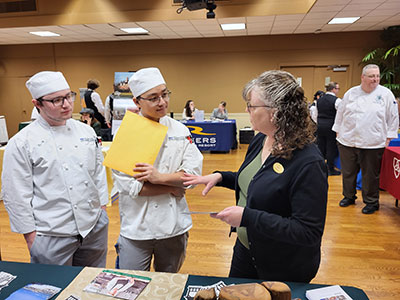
x=154 y=212
x=53 y=182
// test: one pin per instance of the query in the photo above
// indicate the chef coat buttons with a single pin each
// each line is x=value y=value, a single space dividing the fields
x=75 y=207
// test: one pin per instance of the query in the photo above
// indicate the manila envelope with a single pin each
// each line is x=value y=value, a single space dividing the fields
x=138 y=140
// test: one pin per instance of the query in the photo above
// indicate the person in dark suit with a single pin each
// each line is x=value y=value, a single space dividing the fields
x=326 y=137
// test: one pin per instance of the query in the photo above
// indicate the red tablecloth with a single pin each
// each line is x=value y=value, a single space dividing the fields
x=390 y=171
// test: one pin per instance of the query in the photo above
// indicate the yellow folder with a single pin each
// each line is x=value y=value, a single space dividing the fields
x=138 y=140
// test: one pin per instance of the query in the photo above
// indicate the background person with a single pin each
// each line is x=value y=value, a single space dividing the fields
x=152 y=203
x=326 y=137
x=87 y=117
x=189 y=110
x=366 y=121
x=93 y=101
x=313 y=107
x=220 y=113
x=53 y=182
x=281 y=187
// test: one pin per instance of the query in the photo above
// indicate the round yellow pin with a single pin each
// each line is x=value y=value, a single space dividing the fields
x=278 y=168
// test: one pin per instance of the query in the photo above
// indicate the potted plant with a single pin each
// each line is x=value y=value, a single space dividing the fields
x=388 y=59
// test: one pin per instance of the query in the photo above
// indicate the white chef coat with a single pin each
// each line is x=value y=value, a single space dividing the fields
x=366 y=120
x=53 y=180
x=159 y=217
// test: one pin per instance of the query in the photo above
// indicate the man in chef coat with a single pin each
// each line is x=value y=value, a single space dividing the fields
x=366 y=120
x=53 y=182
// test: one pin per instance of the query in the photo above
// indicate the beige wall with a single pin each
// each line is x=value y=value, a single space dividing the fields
x=205 y=70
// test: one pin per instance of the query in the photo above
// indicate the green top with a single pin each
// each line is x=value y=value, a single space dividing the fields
x=245 y=177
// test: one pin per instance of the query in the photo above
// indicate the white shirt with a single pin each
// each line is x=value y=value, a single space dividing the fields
x=107 y=109
x=185 y=117
x=53 y=180
x=366 y=120
x=97 y=102
x=159 y=217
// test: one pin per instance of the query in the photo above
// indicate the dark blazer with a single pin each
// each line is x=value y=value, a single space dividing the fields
x=285 y=212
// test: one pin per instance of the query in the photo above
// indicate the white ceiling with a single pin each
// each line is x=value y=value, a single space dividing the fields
x=375 y=15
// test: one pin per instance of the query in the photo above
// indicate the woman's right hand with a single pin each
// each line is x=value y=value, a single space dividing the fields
x=209 y=180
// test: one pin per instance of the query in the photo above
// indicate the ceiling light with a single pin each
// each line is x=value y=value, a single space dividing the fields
x=233 y=26
x=134 y=30
x=343 y=20
x=44 y=33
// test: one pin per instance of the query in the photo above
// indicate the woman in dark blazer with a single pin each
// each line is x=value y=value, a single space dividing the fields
x=281 y=187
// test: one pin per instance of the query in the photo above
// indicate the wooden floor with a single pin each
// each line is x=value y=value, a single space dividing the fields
x=357 y=250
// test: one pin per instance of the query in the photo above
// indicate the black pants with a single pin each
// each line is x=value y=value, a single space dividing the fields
x=326 y=141
x=369 y=160
x=242 y=265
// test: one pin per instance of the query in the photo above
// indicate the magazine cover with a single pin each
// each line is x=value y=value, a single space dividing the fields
x=118 y=285
x=35 y=291
x=334 y=292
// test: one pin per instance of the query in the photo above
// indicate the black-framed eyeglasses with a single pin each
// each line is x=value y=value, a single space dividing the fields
x=156 y=99
x=248 y=105
x=59 y=101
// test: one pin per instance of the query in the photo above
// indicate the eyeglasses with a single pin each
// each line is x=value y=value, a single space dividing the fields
x=248 y=105
x=156 y=99
x=59 y=101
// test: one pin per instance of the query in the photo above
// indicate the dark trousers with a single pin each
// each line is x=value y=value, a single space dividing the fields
x=242 y=265
x=369 y=160
x=326 y=141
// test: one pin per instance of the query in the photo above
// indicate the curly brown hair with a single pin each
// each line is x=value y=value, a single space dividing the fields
x=280 y=91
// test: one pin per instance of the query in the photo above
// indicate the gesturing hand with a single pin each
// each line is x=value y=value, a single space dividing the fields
x=208 y=180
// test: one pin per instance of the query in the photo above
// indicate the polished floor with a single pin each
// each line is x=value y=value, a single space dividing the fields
x=357 y=250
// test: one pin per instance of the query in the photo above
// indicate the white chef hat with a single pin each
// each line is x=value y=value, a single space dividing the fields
x=144 y=80
x=46 y=82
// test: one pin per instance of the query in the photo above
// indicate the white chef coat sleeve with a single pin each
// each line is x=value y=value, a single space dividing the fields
x=107 y=110
x=17 y=187
x=98 y=103
x=314 y=113
x=100 y=177
x=126 y=184
x=392 y=117
x=337 y=103
x=339 y=113
x=192 y=161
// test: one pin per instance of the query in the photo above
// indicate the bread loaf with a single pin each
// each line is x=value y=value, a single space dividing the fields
x=278 y=290
x=247 y=291
x=208 y=294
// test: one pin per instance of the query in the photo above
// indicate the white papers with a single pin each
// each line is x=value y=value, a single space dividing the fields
x=334 y=292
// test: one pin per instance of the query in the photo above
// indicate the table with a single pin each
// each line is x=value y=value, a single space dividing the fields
x=390 y=172
x=213 y=135
x=165 y=285
x=59 y=276
x=395 y=142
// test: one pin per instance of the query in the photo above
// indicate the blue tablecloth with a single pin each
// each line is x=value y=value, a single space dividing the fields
x=213 y=136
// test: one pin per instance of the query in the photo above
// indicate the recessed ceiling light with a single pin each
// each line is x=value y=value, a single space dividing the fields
x=233 y=26
x=134 y=30
x=44 y=33
x=343 y=20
